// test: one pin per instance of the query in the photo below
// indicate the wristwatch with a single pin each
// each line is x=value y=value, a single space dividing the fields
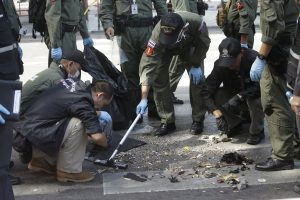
x=262 y=57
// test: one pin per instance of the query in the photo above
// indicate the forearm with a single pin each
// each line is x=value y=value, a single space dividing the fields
x=83 y=26
x=244 y=38
x=106 y=14
x=145 y=91
x=265 y=49
x=99 y=139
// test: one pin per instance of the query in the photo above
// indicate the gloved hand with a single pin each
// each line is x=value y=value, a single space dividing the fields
x=142 y=107
x=88 y=41
x=257 y=69
x=105 y=116
x=222 y=123
x=56 y=53
x=195 y=75
x=244 y=45
x=20 y=52
x=5 y=111
x=233 y=104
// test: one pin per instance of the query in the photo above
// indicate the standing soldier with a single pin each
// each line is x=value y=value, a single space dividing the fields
x=278 y=27
x=176 y=68
x=132 y=21
x=64 y=19
x=236 y=18
x=10 y=68
x=184 y=34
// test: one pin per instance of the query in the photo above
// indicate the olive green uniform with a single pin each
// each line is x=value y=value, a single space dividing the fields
x=135 y=34
x=64 y=18
x=39 y=83
x=278 y=26
x=242 y=19
x=184 y=5
x=154 y=67
x=176 y=67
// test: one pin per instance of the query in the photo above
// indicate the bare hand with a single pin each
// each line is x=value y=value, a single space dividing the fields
x=295 y=103
x=217 y=113
x=109 y=33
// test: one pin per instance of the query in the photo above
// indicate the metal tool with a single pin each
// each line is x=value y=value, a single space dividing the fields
x=110 y=162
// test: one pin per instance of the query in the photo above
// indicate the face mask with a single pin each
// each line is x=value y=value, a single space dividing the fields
x=75 y=76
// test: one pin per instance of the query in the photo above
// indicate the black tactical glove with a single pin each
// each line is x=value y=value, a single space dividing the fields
x=233 y=104
x=222 y=123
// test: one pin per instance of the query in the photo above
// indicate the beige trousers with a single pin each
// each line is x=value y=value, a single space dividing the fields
x=71 y=154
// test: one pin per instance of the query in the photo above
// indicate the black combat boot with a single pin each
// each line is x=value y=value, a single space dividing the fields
x=164 y=129
x=196 y=128
x=273 y=164
x=175 y=100
x=256 y=139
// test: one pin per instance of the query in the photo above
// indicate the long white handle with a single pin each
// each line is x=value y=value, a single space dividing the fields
x=125 y=136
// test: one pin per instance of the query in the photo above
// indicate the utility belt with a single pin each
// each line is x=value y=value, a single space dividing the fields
x=144 y=22
x=66 y=28
x=11 y=64
x=8 y=48
x=121 y=22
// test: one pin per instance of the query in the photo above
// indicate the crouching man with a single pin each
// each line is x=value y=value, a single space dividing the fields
x=232 y=70
x=59 y=124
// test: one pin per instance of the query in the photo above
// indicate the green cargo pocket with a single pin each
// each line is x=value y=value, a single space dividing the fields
x=269 y=15
x=243 y=12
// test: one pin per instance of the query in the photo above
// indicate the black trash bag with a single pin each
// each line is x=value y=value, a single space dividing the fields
x=100 y=68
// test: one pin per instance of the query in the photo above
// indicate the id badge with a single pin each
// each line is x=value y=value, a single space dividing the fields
x=134 y=9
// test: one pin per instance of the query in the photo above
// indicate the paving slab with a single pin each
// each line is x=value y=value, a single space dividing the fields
x=115 y=183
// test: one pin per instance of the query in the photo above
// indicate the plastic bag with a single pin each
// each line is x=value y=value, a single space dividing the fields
x=100 y=68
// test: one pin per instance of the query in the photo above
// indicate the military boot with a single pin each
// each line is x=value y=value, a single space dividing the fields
x=273 y=164
x=196 y=128
x=164 y=129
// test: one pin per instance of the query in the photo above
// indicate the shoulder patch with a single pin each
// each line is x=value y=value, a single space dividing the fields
x=150 y=48
x=239 y=5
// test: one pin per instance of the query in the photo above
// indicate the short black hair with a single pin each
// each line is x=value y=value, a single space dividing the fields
x=103 y=86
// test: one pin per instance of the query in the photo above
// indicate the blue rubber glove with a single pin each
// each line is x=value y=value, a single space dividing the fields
x=88 y=41
x=196 y=75
x=289 y=95
x=105 y=116
x=244 y=45
x=20 y=52
x=142 y=107
x=5 y=111
x=56 y=53
x=256 y=69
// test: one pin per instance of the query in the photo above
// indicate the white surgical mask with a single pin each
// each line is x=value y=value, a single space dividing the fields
x=75 y=76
